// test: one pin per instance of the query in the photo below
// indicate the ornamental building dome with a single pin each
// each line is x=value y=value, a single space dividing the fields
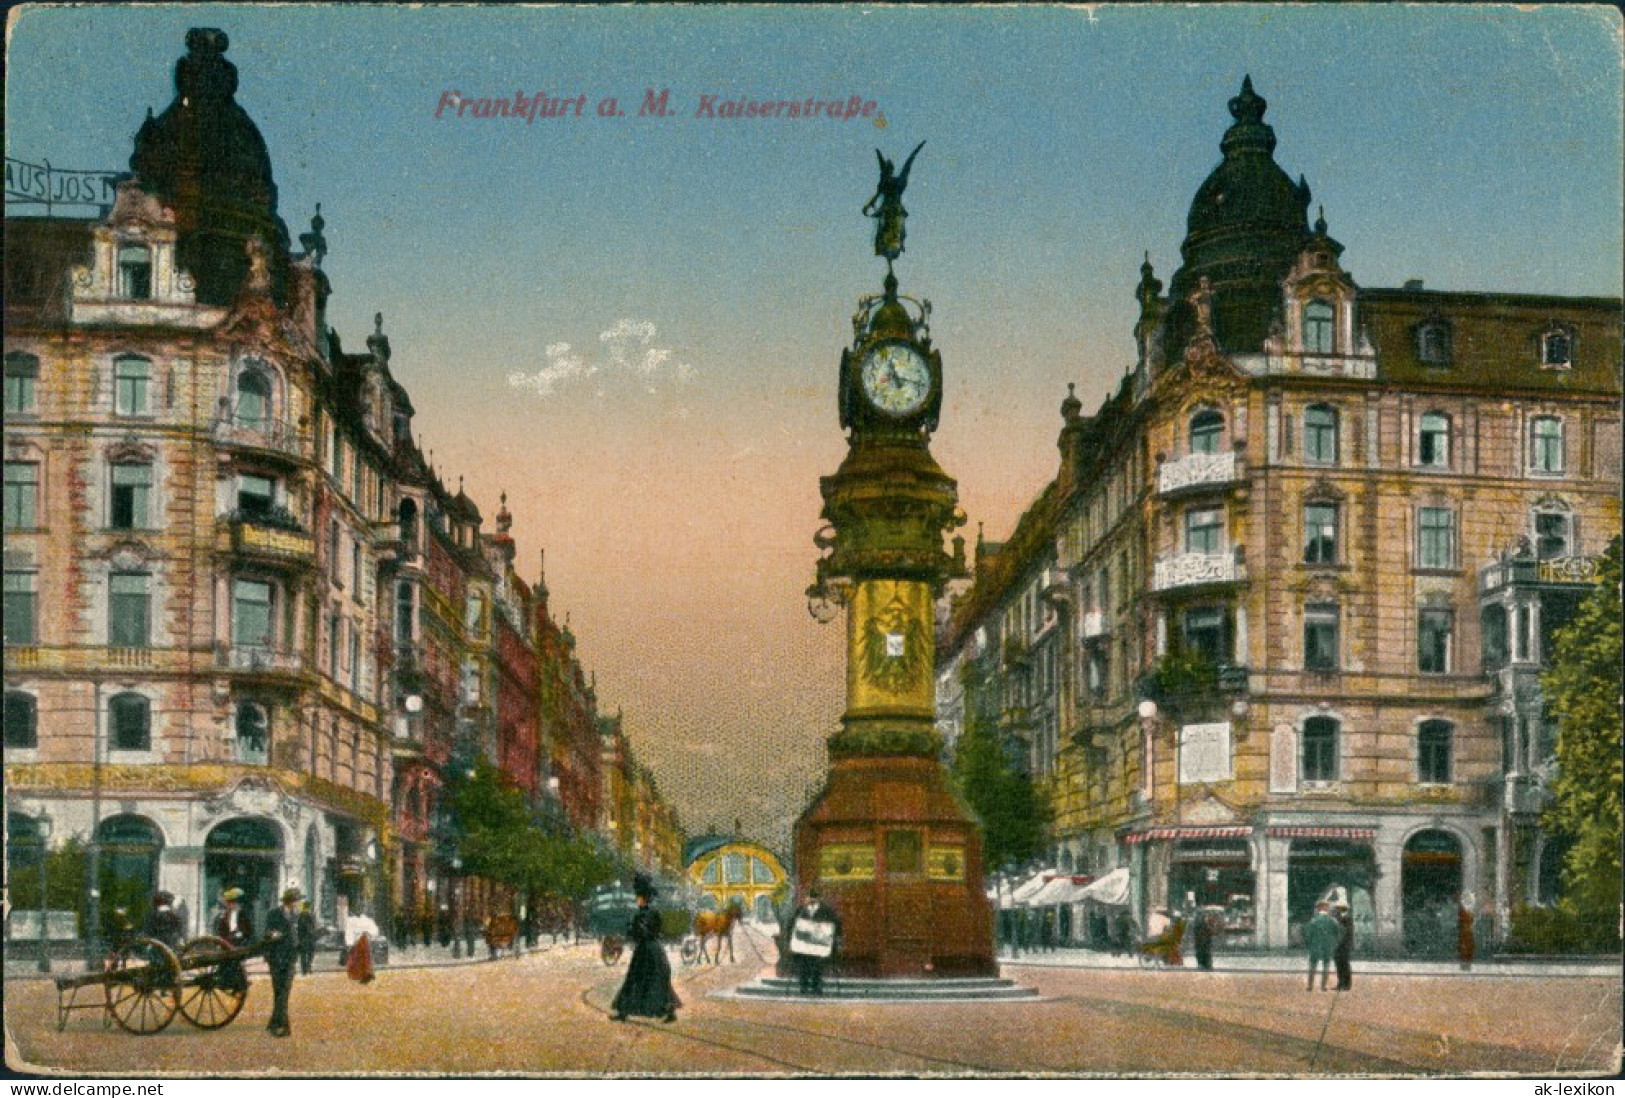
x=1247 y=224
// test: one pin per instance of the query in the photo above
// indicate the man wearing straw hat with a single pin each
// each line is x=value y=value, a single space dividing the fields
x=236 y=928
x=281 y=954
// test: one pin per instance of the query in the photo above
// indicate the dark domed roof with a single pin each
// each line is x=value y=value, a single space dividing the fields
x=1247 y=223
x=204 y=158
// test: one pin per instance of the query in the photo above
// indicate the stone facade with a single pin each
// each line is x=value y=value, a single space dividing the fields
x=1302 y=589
x=249 y=630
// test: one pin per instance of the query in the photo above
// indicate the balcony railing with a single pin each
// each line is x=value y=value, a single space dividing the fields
x=1197 y=569
x=259 y=434
x=267 y=537
x=252 y=657
x=1197 y=471
x=1565 y=571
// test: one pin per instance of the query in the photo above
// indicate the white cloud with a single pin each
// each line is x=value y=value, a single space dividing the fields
x=628 y=352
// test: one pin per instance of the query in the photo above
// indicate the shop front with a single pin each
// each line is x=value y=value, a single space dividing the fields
x=1215 y=876
x=1321 y=861
x=1430 y=890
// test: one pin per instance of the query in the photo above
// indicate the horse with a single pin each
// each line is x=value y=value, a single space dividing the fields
x=720 y=924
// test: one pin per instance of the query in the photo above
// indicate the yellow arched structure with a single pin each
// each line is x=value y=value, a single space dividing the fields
x=725 y=869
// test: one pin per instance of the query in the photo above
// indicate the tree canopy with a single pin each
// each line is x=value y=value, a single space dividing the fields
x=1015 y=814
x=1584 y=691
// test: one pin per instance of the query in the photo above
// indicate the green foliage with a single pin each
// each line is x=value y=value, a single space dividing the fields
x=1559 y=929
x=65 y=873
x=497 y=835
x=1179 y=676
x=922 y=743
x=1584 y=687
x=1015 y=814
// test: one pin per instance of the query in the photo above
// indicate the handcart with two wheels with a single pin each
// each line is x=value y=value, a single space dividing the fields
x=143 y=984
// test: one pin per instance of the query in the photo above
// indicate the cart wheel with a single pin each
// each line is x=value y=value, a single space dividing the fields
x=141 y=982
x=1146 y=959
x=209 y=998
x=610 y=949
x=690 y=950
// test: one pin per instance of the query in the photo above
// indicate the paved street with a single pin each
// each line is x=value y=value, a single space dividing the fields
x=548 y=1012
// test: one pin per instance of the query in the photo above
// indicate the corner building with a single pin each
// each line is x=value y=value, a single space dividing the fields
x=1276 y=625
x=248 y=630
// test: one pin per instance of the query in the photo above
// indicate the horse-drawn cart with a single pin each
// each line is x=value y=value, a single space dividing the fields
x=144 y=984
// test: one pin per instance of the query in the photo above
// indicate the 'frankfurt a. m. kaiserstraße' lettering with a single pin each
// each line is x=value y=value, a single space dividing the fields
x=714 y=106
x=454 y=104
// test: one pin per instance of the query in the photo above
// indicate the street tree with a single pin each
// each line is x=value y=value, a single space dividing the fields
x=1585 y=694
x=1014 y=812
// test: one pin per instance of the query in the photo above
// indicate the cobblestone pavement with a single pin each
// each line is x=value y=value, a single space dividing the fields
x=547 y=1012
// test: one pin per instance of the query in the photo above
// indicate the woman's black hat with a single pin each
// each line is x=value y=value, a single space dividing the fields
x=643 y=886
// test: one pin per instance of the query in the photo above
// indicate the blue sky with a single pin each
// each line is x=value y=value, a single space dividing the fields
x=1475 y=147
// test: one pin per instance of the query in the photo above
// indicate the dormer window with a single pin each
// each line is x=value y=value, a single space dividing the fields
x=1433 y=343
x=1556 y=350
x=135 y=272
x=1319 y=334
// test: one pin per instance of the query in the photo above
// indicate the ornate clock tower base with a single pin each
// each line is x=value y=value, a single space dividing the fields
x=900 y=858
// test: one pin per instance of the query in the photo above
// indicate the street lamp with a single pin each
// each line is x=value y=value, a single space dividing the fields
x=44 y=832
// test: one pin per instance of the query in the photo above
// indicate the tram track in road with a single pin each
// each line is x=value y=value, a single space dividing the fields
x=692 y=977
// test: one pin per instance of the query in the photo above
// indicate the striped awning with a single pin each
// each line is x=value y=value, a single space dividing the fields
x=1161 y=834
x=1364 y=833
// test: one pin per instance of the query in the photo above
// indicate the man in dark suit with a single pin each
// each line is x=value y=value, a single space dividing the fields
x=282 y=954
x=810 y=964
x=307 y=937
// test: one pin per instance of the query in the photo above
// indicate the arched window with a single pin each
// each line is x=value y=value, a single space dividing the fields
x=22 y=383
x=1320 y=749
x=132 y=385
x=135 y=272
x=1546 y=444
x=254 y=400
x=129 y=718
x=1433 y=442
x=1433 y=752
x=1206 y=428
x=22 y=720
x=1320 y=434
x=1319 y=333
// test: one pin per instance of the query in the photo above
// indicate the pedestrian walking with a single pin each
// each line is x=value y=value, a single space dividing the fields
x=1322 y=935
x=307 y=937
x=1123 y=936
x=1203 y=934
x=281 y=955
x=647 y=991
x=1343 y=956
x=815 y=932
x=1466 y=943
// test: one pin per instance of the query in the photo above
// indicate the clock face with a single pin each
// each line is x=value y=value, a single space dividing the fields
x=896 y=378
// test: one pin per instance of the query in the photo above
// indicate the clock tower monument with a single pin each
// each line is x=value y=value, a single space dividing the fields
x=888 y=840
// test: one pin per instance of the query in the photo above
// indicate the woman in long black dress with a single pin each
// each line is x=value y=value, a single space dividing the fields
x=647 y=991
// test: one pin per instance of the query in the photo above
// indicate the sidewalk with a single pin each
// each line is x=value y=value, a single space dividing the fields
x=326 y=960
x=1297 y=962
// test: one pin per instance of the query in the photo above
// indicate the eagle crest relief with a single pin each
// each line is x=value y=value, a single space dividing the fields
x=893 y=648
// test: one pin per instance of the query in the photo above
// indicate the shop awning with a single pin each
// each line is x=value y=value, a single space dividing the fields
x=1361 y=833
x=1029 y=888
x=1111 y=890
x=1160 y=834
x=1061 y=890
